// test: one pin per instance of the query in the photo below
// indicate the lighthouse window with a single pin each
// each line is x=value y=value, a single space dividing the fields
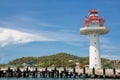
x=88 y=24
x=94 y=12
x=95 y=23
x=95 y=50
x=94 y=42
x=95 y=64
x=101 y=24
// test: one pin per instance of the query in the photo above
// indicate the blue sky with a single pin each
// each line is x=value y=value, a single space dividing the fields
x=45 y=27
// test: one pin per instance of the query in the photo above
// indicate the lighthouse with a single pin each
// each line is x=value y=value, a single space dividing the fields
x=94 y=27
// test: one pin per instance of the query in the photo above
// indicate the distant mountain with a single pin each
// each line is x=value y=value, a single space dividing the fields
x=59 y=60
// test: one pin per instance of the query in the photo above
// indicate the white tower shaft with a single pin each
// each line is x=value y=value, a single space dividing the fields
x=94 y=59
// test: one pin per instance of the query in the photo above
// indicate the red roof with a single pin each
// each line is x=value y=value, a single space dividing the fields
x=94 y=10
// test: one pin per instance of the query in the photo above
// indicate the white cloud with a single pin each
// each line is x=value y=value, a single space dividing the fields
x=111 y=57
x=48 y=25
x=64 y=36
x=11 y=36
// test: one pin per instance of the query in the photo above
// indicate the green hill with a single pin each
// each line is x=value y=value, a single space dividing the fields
x=58 y=60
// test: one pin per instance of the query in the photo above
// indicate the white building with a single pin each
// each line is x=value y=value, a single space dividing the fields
x=94 y=27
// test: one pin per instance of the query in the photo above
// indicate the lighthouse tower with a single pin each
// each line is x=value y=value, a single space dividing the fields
x=94 y=27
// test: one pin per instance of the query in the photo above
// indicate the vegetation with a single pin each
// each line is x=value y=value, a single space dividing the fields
x=57 y=60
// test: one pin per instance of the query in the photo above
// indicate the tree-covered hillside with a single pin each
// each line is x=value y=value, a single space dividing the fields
x=58 y=60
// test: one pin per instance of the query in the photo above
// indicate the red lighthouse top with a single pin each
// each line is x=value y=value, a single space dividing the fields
x=93 y=20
